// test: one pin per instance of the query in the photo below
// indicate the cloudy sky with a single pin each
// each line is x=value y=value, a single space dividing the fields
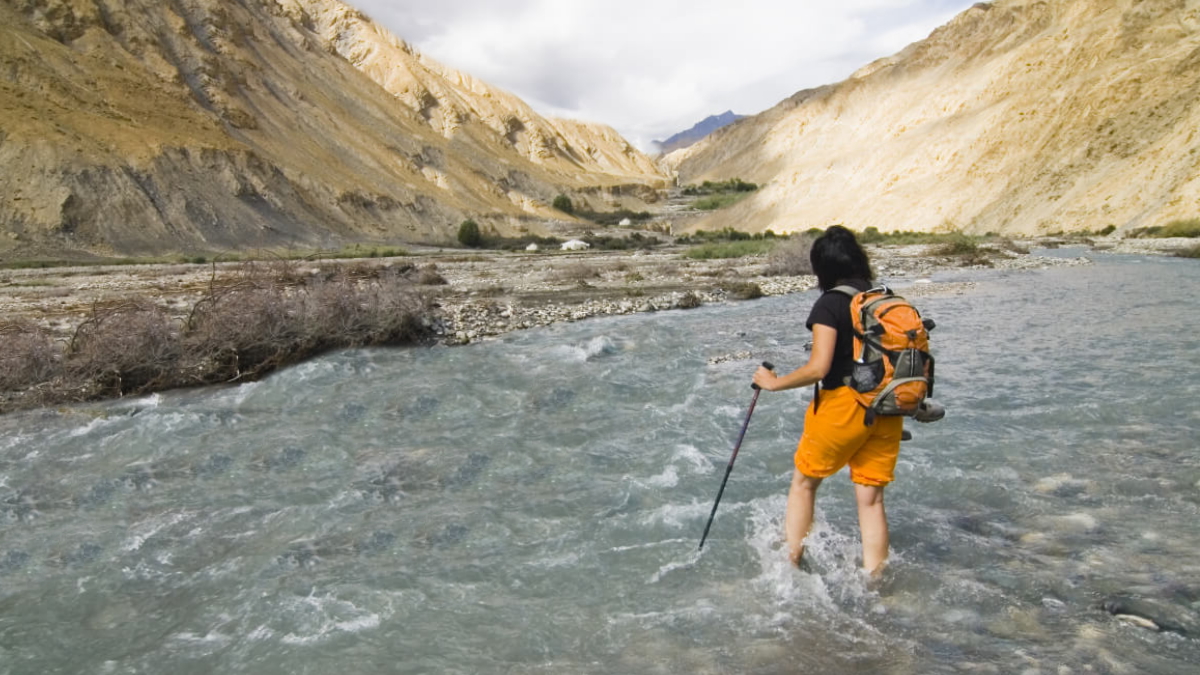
x=651 y=68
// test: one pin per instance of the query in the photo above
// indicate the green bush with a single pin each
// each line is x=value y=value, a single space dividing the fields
x=709 y=187
x=469 y=234
x=957 y=244
x=1181 y=228
x=731 y=249
x=719 y=201
x=635 y=241
x=563 y=203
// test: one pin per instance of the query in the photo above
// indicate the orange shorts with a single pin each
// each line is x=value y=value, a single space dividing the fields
x=835 y=436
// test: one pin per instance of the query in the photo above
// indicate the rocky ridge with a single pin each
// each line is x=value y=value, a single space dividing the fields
x=131 y=127
x=1018 y=116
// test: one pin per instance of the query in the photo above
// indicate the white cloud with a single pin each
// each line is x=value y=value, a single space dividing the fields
x=651 y=68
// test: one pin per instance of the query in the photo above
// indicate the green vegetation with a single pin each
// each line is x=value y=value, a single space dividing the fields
x=727 y=234
x=1189 y=228
x=718 y=195
x=957 y=243
x=469 y=234
x=1182 y=228
x=634 y=241
x=709 y=187
x=715 y=202
x=729 y=249
x=563 y=203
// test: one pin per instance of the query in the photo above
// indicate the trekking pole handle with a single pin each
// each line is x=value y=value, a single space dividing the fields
x=769 y=366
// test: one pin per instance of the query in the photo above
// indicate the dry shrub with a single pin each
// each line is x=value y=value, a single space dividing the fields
x=245 y=326
x=689 y=300
x=128 y=348
x=790 y=257
x=246 y=329
x=253 y=328
x=578 y=271
x=30 y=356
x=429 y=276
x=745 y=290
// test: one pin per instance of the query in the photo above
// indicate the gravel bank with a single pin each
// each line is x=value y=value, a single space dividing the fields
x=486 y=293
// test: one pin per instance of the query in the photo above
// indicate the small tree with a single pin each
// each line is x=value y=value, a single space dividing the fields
x=563 y=203
x=469 y=234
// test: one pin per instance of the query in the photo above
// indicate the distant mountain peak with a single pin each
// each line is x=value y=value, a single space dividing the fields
x=703 y=128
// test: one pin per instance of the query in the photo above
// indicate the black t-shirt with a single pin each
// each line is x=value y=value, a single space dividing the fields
x=833 y=309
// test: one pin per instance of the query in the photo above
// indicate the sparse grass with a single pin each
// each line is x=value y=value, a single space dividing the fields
x=957 y=244
x=1181 y=228
x=1189 y=228
x=731 y=249
x=719 y=201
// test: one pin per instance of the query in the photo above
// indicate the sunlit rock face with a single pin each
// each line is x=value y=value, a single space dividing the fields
x=130 y=126
x=1018 y=116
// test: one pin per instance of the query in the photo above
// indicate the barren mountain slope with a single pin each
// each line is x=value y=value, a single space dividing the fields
x=1018 y=116
x=133 y=126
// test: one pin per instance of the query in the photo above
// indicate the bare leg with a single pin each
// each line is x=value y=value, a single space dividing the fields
x=872 y=520
x=798 y=519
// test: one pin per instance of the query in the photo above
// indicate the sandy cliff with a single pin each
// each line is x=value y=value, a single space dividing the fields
x=1020 y=116
x=132 y=126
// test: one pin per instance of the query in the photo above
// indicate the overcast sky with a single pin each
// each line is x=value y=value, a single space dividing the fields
x=651 y=68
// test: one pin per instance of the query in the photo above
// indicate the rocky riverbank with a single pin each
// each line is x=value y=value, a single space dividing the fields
x=485 y=293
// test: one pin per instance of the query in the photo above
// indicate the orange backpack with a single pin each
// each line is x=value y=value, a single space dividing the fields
x=893 y=369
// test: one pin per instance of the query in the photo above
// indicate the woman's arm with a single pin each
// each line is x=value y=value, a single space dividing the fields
x=819 y=361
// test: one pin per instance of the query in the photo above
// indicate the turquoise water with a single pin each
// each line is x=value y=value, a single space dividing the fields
x=533 y=504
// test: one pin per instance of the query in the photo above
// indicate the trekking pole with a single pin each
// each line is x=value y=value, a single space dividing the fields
x=733 y=458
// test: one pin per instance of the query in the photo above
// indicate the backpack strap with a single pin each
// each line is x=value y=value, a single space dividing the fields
x=844 y=289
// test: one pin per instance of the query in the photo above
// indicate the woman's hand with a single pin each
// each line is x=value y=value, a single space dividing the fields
x=765 y=379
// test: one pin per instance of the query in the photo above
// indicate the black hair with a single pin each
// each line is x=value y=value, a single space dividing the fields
x=836 y=256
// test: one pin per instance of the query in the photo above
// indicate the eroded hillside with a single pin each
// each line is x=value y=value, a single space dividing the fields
x=1019 y=116
x=132 y=126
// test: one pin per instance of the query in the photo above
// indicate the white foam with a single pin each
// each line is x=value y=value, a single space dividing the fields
x=687 y=563
x=668 y=478
x=676 y=515
x=146 y=530
x=333 y=616
x=692 y=456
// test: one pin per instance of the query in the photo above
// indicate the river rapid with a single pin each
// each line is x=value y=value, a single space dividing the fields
x=533 y=504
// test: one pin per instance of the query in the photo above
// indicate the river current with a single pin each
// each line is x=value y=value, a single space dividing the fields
x=533 y=504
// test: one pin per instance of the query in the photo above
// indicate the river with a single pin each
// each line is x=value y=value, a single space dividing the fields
x=533 y=504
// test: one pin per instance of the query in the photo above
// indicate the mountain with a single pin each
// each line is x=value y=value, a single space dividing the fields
x=141 y=127
x=703 y=128
x=1018 y=116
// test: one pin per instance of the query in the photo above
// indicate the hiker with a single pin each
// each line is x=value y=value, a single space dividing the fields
x=834 y=430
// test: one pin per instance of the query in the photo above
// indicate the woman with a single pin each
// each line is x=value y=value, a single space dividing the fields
x=834 y=434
